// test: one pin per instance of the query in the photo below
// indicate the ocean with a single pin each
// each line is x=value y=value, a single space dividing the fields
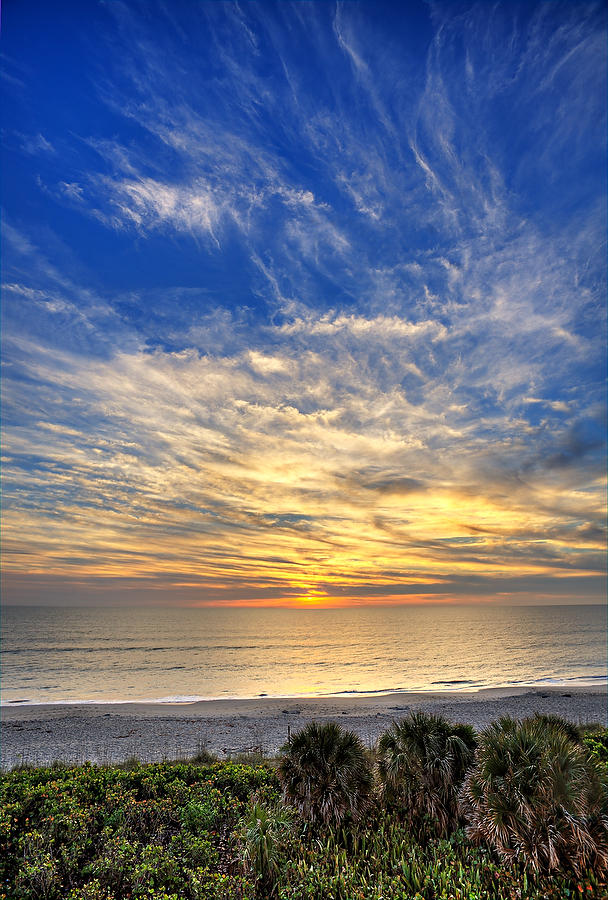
x=68 y=655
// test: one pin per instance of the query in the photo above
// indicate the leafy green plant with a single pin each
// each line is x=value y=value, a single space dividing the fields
x=421 y=762
x=379 y=858
x=596 y=741
x=264 y=833
x=176 y=831
x=536 y=796
x=326 y=774
x=201 y=815
x=162 y=831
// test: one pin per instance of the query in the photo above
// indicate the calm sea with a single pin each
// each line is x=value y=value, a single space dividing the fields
x=55 y=655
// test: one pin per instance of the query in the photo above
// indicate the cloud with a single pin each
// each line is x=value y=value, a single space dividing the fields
x=361 y=327
x=148 y=204
x=37 y=144
x=293 y=468
x=41 y=301
x=379 y=374
x=386 y=482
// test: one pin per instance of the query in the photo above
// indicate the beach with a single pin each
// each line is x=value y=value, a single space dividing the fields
x=106 y=733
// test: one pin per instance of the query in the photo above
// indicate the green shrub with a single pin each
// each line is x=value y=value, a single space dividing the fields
x=158 y=831
x=176 y=831
x=326 y=774
x=422 y=761
x=536 y=796
x=596 y=742
x=551 y=720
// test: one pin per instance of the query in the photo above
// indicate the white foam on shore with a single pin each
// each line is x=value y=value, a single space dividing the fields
x=469 y=689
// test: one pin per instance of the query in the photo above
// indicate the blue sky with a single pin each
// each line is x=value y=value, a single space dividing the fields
x=304 y=303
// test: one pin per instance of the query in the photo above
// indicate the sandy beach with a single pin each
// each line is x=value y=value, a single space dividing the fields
x=114 y=732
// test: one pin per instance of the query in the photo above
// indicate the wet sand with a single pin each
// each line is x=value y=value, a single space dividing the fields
x=107 y=733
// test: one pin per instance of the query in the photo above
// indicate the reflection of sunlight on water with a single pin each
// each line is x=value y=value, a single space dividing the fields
x=54 y=655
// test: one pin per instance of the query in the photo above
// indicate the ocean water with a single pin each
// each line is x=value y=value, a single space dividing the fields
x=52 y=655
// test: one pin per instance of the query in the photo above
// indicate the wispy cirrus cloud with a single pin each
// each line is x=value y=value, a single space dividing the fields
x=379 y=374
x=308 y=455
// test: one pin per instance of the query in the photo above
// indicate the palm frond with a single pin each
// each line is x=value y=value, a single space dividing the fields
x=535 y=794
x=326 y=774
x=421 y=762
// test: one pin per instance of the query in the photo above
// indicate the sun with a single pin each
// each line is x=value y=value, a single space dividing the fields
x=310 y=600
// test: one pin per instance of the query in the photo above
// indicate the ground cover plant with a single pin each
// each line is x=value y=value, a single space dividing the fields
x=108 y=833
x=596 y=741
x=185 y=831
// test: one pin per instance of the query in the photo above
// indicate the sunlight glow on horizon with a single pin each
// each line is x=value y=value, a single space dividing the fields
x=290 y=318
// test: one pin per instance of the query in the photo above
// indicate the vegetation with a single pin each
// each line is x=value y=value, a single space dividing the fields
x=265 y=837
x=550 y=720
x=108 y=833
x=326 y=774
x=536 y=795
x=219 y=832
x=596 y=741
x=422 y=761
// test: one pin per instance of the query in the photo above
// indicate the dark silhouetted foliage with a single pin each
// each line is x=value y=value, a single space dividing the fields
x=421 y=762
x=326 y=774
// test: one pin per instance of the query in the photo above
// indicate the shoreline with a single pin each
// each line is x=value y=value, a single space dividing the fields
x=152 y=731
x=593 y=685
x=358 y=697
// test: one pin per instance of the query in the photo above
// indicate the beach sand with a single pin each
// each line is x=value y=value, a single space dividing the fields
x=107 y=733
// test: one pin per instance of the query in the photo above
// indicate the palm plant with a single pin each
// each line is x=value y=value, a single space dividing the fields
x=421 y=762
x=574 y=732
x=536 y=795
x=264 y=833
x=326 y=774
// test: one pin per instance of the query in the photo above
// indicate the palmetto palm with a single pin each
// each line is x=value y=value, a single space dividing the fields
x=421 y=762
x=326 y=774
x=551 y=720
x=535 y=794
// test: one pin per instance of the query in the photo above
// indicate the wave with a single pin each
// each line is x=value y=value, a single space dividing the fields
x=471 y=689
x=176 y=648
x=573 y=679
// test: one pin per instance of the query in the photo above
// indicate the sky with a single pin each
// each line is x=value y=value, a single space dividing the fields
x=303 y=303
